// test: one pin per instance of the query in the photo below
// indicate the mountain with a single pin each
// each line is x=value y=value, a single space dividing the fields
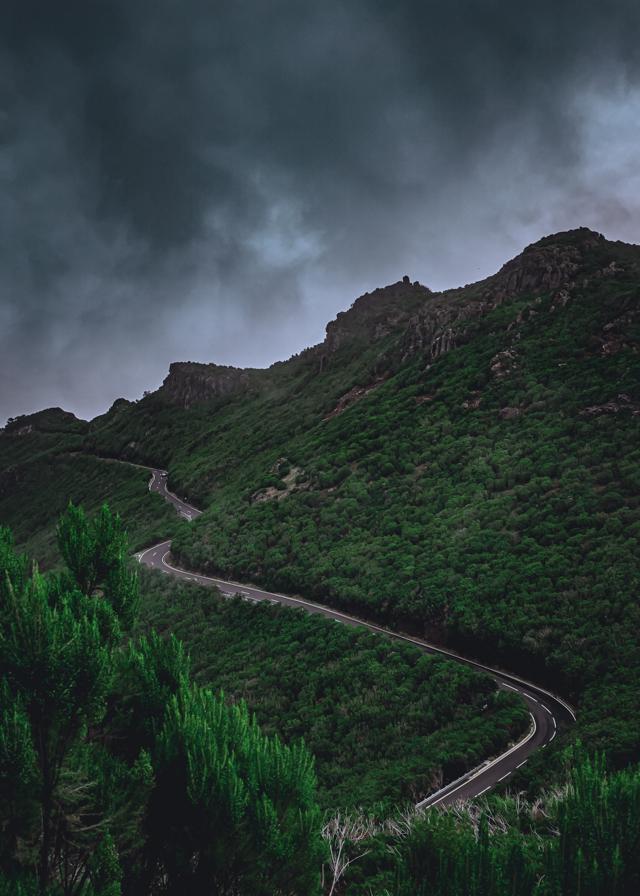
x=462 y=464
x=398 y=322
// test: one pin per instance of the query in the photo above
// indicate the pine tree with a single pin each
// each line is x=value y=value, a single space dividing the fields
x=234 y=810
x=123 y=774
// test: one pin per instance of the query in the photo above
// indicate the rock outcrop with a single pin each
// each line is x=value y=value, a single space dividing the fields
x=553 y=264
x=355 y=394
x=189 y=383
x=502 y=364
x=375 y=315
x=438 y=327
x=620 y=404
x=616 y=334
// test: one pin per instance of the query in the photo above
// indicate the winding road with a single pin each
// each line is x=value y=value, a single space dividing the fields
x=546 y=710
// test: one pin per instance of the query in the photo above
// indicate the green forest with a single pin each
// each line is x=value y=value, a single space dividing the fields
x=118 y=772
x=515 y=540
x=122 y=772
x=386 y=723
x=158 y=739
x=35 y=492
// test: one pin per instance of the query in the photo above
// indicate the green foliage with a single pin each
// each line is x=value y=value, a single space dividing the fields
x=150 y=671
x=385 y=722
x=56 y=668
x=96 y=554
x=443 y=856
x=36 y=490
x=105 y=870
x=117 y=773
x=599 y=824
x=233 y=810
x=587 y=844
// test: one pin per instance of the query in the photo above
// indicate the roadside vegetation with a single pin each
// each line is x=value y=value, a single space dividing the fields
x=579 y=838
x=386 y=723
x=35 y=492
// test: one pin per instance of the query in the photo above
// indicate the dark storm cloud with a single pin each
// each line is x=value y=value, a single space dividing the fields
x=214 y=180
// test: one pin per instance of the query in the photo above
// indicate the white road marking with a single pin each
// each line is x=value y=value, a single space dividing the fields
x=521 y=764
x=503 y=777
x=484 y=768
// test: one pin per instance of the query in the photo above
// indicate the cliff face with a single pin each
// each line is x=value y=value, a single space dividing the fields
x=189 y=383
x=438 y=327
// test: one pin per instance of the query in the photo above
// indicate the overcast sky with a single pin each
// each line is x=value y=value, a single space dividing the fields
x=213 y=181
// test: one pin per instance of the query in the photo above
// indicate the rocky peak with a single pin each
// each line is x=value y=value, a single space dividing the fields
x=375 y=314
x=120 y=404
x=549 y=264
x=582 y=237
x=189 y=383
x=553 y=264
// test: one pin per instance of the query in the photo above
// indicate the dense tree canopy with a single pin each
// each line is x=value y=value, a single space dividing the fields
x=117 y=772
x=386 y=723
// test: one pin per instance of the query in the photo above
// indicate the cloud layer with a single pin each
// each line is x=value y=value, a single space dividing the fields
x=214 y=181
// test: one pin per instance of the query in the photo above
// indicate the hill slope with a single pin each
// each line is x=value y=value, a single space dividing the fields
x=464 y=464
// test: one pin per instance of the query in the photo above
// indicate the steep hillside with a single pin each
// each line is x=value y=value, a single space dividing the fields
x=464 y=464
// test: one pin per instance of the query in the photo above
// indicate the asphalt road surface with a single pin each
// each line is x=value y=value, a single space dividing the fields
x=547 y=711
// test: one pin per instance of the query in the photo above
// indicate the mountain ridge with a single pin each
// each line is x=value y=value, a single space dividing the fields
x=432 y=322
x=425 y=321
